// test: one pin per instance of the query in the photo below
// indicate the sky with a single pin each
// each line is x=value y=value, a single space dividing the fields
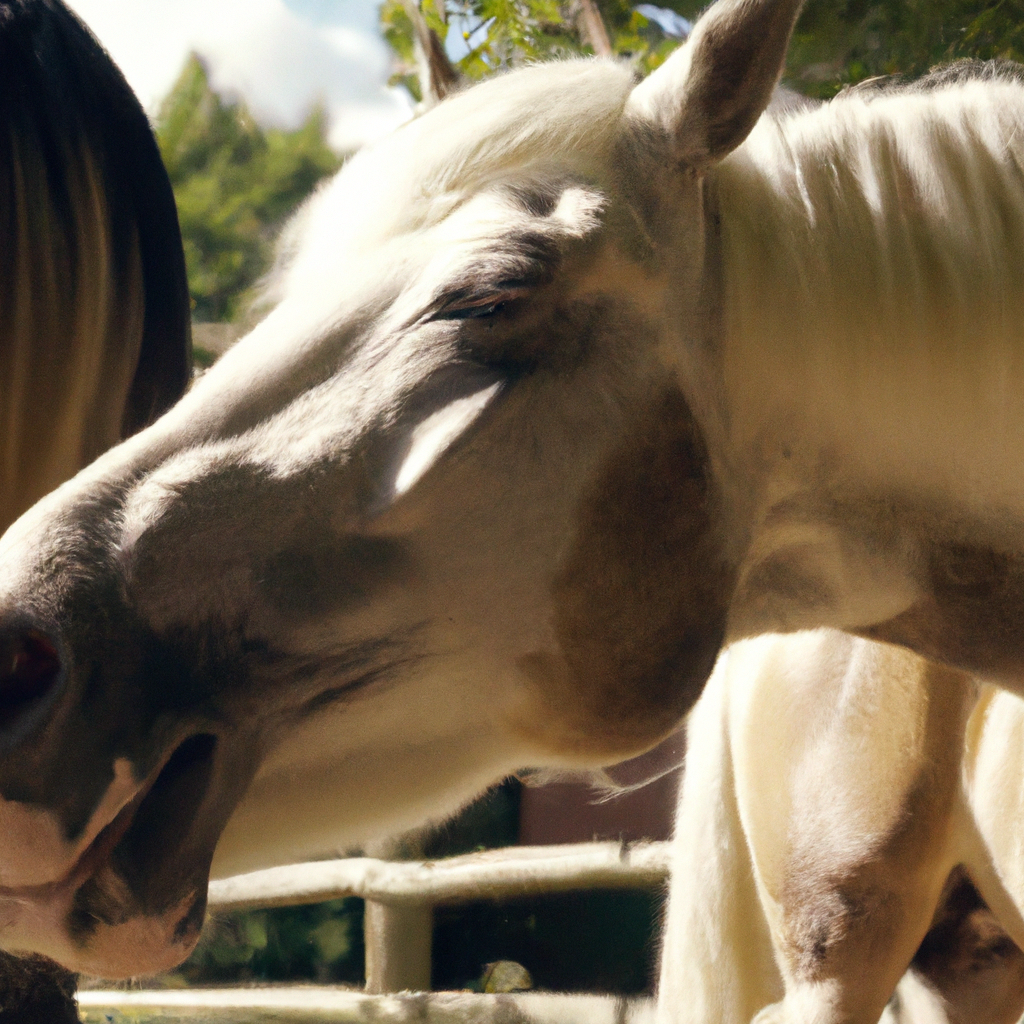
x=279 y=56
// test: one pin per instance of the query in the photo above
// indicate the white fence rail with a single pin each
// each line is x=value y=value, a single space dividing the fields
x=400 y=899
x=307 y=1005
x=493 y=874
x=401 y=895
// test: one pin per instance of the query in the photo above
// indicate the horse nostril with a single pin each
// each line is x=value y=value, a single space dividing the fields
x=29 y=670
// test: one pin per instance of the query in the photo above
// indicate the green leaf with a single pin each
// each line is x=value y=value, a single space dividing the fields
x=837 y=42
x=235 y=184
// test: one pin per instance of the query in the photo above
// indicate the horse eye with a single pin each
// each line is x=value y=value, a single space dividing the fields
x=474 y=312
x=483 y=311
x=464 y=308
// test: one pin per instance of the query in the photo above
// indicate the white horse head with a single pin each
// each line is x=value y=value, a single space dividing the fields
x=488 y=488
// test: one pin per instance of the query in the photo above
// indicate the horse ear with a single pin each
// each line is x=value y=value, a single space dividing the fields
x=709 y=94
x=438 y=76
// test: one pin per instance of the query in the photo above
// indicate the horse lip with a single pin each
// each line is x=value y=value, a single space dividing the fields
x=97 y=853
x=42 y=917
x=89 y=861
x=123 y=933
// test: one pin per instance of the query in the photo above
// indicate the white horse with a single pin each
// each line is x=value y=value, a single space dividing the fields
x=838 y=794
x=569 y=382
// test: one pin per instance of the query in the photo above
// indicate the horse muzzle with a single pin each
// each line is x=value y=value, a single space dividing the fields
x=95 y=928
x=132 y=895
x=103 y=866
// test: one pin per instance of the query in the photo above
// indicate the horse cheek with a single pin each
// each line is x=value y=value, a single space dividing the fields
x=641 y=600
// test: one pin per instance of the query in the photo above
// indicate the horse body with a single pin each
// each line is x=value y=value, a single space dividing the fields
x=491 y=485
x=93 y=303
x=837 y=792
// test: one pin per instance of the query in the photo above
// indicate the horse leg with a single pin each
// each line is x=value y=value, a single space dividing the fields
x=970 y=961
x=717 y=960
x=966 y=971
x=874 y=806
x=844 y=957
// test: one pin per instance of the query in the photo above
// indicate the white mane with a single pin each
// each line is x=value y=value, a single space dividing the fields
x=564 y=112
x=872 y=257
x=930 y=182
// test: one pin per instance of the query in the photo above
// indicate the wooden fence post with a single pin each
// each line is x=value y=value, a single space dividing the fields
x=398 y=940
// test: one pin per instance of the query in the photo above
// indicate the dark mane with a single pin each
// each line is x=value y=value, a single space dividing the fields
x=68 y=122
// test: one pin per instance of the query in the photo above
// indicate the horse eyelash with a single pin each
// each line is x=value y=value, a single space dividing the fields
x=474 y=312
x=466 y=306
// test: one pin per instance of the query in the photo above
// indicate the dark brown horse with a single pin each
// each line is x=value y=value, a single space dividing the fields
x=94 y=312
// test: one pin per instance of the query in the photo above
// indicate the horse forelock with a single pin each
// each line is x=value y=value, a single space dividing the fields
x=548 y=118
x=384 y=320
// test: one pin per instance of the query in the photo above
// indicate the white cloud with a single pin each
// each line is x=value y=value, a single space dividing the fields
x=280 y=59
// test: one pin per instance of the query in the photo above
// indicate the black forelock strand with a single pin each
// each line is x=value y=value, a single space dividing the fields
x=61 y=95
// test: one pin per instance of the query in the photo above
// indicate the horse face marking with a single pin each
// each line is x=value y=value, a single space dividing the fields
x=639 y=625
x=432 y=436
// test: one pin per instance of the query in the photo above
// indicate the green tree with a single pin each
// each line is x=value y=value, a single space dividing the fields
x=837 y=42
x=235 y=183
x=508 y=33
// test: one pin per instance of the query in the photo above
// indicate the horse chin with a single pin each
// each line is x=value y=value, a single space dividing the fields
x=93 y=928
x=140 y=945
x=133 y=901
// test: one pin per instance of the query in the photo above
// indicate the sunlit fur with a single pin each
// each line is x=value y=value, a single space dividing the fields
x=567 y=384
x=872 y=263
x=832 y=787
x=549 y=119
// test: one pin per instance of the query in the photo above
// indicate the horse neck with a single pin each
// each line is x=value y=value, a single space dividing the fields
x=872 y=355
x=873 y=290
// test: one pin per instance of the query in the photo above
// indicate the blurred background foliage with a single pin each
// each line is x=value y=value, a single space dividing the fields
x=488 y=35
x=841 y=42
x=322 y=942
x=236 y=182
x=837 y=42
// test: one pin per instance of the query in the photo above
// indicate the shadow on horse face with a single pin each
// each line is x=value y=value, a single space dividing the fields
x=448 y=511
